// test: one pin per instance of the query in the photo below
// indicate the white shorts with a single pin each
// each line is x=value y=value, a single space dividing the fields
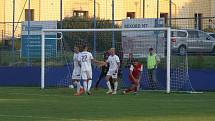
x=112 y=73
x=76 y=74
x=86 y=75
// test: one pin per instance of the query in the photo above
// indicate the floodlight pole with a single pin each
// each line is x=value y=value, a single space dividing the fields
x=113 y=36
x=170 y=13
x=2 y=36
x=94 y=26
x=61 y=17
x=156 y=24
x=61 y=25
x=144 y=8
x=158 y=4
x=29 y=26
x=13 y=31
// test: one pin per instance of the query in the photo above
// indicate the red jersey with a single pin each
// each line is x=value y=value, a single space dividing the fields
x=136 y=70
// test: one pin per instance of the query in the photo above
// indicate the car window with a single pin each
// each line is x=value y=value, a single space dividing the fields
x=173 y=34
x=176 y=34
x=203 y=35
x=212 y=35
x=193 y=34
x=182 y=34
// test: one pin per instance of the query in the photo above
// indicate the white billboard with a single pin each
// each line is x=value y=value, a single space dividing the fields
x=36 y=27
x=138 y=42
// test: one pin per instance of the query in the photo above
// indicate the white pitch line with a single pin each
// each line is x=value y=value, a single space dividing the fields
x=39 y=94
x=43 y=117
x=13 y=99
x=51 y=95
x=16 y=116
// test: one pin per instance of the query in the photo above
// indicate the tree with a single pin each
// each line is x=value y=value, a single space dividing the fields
x=103 y=39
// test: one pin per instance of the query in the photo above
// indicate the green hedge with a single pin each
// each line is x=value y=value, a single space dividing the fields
x=103 y=39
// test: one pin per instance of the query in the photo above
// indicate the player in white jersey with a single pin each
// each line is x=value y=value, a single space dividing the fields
x=76 y=74
x=114 y=63
x=85 y=59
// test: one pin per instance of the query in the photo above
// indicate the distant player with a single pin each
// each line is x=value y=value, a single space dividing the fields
x=76 y=74
x=136 y=69
x=85 y=59
x=114 y=64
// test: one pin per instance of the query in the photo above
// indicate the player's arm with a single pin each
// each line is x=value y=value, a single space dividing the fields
x=79 y=60
x=157 y=59
x=118 y=62
x=104 y=63
x=141 y=72
x=118 y=65
x=130 y=73
x=98 y=63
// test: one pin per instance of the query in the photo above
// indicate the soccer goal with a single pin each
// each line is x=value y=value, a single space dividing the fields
x=171 y=72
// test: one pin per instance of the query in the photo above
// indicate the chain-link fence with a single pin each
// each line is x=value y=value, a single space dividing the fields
x=179 y=14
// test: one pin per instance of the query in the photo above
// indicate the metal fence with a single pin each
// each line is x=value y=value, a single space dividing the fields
x=179 y=14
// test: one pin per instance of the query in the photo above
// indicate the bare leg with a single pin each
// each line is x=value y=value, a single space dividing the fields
x=108 y=84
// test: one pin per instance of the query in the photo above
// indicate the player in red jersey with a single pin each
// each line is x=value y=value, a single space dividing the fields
x=135 y=73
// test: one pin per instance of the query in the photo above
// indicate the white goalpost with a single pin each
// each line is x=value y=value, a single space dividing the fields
x=139 y=39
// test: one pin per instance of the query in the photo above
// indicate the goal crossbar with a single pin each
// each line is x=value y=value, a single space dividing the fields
x=105 y=30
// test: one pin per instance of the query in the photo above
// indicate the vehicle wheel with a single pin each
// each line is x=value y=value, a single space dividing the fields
x=182 y=50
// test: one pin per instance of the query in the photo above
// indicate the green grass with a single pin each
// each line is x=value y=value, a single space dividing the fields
x=202 y=62
x=33 y=104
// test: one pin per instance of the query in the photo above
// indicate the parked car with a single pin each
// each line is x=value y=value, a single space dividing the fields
x=192 y=41
x=179 y=41
x=199 y=41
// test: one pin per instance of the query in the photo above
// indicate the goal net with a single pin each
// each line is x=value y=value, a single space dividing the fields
x=170 y=74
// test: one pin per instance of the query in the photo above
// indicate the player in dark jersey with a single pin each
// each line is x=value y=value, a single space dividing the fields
x=129 y=61
x=104 y=70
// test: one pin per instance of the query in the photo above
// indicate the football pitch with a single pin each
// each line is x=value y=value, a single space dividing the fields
x=33 y=104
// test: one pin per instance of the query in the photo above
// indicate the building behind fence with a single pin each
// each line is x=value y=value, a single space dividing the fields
x=184 y=14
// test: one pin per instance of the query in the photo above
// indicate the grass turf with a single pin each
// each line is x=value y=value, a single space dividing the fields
x=33 y=104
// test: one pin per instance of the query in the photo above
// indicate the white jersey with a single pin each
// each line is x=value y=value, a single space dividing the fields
x=75 y=61
x=76 y=74
x=113 y=60
x=85 y=60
